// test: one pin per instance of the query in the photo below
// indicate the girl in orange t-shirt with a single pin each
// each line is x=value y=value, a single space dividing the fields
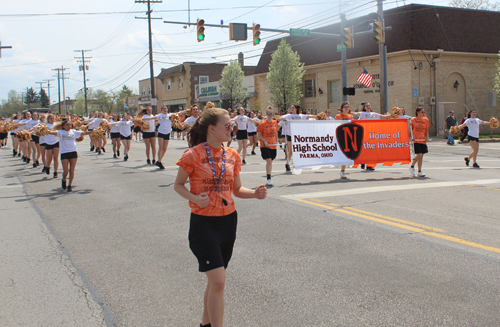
x=345 y=109
x=420 y=132
x=213 y=171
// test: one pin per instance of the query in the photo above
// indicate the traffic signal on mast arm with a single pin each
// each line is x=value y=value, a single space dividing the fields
x=347 y=37
x=200 y=28
x=377 y=29
x=256 y=34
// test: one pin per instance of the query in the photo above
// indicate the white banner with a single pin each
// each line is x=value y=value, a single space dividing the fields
x=314 y=143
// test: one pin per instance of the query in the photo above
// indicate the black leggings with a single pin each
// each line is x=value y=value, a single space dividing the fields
x=466 y=131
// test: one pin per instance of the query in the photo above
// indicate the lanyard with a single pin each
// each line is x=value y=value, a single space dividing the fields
x=214 y=173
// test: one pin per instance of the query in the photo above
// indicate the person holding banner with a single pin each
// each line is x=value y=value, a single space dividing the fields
x=420 y=131
x=345 y=109
x=267 y=134
x=473 y=124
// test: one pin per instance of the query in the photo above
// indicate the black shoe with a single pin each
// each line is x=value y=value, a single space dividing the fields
x=103 y=150
x=47 y=170
x=370 y=168
x=125 y=158
x=154 y=162
x=114 y=155
x=43 y=169
x=55 y=174
x=19 y=154
x=287 y=167
x=92 y=148
x=475 y=165
x=99 y=151
x=160 y=165
x=70 y=188
x=118 y=153
x=148 y=162
x=243 y=162
x=14 y=152
x=24 y=159
x=466 y=161
x=34 y=165
x=253 y=153
x=362 y=166
x=27 y=160
x=63 y=184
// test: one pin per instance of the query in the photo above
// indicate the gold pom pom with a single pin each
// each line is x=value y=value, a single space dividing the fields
x=80 y=138
x=259 y=115
x=494 y=123
x=41 y=130
x=396 y=112
x=209 y=105
x=105 y=126
x=454 y=130
x=321 y=116
x=145 y=126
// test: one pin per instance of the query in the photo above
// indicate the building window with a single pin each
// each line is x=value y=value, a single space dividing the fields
x=149 y=90
x=168 y=85
x=310 y=88
x=203 y=79
x=334 y=91
x=181 y=83
x=143 y=90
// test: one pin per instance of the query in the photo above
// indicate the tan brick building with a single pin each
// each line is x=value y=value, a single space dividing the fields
x=439 y=58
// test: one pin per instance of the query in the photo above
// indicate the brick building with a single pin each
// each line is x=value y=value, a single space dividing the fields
x=441 y=58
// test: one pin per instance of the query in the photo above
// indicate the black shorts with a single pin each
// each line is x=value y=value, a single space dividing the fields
x=35 y=139
x=125 y=137
x=3 y=136
x=420 y=148
x=148 y=135
x=242 y=134
x=252 y=133
x=267 y=153
x=137 y=129
x=289 y=138
x=472 y=138
x=115 y=135
x=279 y=134
x=52 y=146
x=13 y=134
x=42 y=144
x=90 y=130
x=69 y=155
x=211 y=239
x=164 y=136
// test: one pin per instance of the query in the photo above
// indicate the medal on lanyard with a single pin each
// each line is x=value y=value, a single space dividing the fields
x=214 y=172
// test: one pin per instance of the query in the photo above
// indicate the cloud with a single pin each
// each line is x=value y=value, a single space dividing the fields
x=288 y=11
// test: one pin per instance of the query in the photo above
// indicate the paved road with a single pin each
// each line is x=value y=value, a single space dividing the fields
x=379 y=249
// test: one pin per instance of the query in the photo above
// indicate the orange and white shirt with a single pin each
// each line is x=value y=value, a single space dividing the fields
x=194 y=161
x=419 y=129
x=341 y=116
x=268 y=131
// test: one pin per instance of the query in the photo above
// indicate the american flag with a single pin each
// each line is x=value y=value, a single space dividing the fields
x=365 y=78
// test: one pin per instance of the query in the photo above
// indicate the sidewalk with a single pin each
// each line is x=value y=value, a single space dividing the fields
x=39 y=284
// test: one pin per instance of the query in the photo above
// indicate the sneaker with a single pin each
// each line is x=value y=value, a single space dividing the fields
x=47 y=170
x=343 y=175
x=370 y=168
x=34 y=165
x=459 y=142
x=92 y=148
x=114 y=155
x=118 y=153
x=253 y=153
x=99 y=152
x=43 y=169
x=37 y=163
x=270 y=182
x=160 y=165
x=148 y=162
x=362 y=166
x=24 y=159
x=466 y=161
x=63 y=184
x=412 y=171
x=475 y=165
x=19 y=154
x=125 y=158
x=243 y=162
x=55 y=174
x=154 y=162
x=28 y=160
x=420 y=174
x=103 y=150
x=287 y=167
x=70 y=188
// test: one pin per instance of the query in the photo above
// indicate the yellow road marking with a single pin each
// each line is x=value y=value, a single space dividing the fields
x=491 y=188
x=406 y=227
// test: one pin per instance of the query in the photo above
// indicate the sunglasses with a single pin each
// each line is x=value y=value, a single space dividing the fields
x=228 y=126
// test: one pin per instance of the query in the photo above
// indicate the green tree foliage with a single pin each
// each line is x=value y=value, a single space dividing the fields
x=31 y=97
x=44 y=99
x=496 y=85
x=231 y=84
x=124 y=93
x=12 y=105
x=285 y=76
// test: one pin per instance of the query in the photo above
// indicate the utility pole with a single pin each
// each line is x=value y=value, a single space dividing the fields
x=59 y=70
x=151 y=70
x=41 y=87
x=64 y=89
x=48 y=91
x=3 y=47
x=382 y=54
x=343 y=56
x=83 y=68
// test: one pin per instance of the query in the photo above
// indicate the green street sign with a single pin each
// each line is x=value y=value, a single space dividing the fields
x=300 y=32
x=340 y=47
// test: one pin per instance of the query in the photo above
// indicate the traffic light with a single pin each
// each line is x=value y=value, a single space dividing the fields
x=256 y=34
x=200 y=27
x=377 y=30
x=347 y=37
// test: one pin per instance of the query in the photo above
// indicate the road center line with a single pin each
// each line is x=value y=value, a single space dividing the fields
x=376 y=189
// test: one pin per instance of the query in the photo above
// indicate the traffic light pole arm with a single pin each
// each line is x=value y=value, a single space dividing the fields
x=371 y=32
x=250 y=28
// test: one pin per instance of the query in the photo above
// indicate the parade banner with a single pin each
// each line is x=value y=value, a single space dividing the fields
x=318 y=143
x=385 y=141
x=314 y=143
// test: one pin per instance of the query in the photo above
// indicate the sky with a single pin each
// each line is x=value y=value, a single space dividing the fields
x=45 y=34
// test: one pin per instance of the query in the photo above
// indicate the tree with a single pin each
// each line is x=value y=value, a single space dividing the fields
x=44 y=99
x=12 y=105
x=104 y=100
x=496 y=85
x=476 y=4
x=31 y=96
x=231 y=84
x=124 y=93
x=285 y=76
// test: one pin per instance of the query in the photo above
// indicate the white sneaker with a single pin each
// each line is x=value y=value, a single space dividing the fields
x=343 y=175
x=270 y=182
x=412 y=171
x=420 y=174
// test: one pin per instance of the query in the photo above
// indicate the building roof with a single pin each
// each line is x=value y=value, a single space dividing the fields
x=413 y=27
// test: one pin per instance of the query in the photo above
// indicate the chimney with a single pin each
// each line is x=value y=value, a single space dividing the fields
x=240 y=59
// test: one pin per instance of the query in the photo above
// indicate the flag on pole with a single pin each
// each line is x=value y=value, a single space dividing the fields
x=365 y=78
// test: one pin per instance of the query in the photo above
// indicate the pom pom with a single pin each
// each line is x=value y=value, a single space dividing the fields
x=396 y=112
x=259 y=115
x=321 y=116
x=209 y=105
x=145 y=126
x=41 y=130
x=454 y=130
x=494 y=123
x=105 y=126
x=23 y=136
x=77 y=124
x=80 y=138
x=2 y=127
x=97 y=134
